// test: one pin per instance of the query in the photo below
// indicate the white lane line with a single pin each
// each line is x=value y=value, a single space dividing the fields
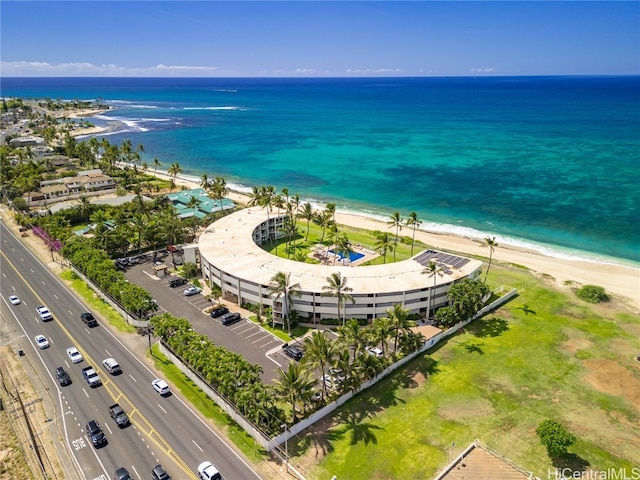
x=260 y=339
x=85 y=392
x=32 y=270
x=56 y=296
x=134 y=469
x=160 y=407
x=42 y=282
x=257 y=333
x=131 y=377
x=108 y=428
x=198 y=446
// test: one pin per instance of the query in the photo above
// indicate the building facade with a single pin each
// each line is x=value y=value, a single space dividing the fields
x=231 y=257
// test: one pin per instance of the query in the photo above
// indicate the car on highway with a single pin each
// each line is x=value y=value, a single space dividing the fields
x=208 y=471
x=218 y=312
x=14 y=300
x=293 y=352
x=191 y=291
x=161 y=386
x=44 y=313
x=95 y=433
x=63 y=377
x=41 y=341
x=74 y=355
x=159 y=473
x=122 y=474
x=89 y=319
x=111 y=366
x=375 y=351
x=177 y=282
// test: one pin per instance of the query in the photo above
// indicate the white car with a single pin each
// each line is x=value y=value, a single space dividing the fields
x=74 y=355
x=160 y=386
x=111 y=365
x=375 y=351
x=192 y=291
x=14 y=300
x=42 y=341
x=44 y=313
x=208 y=471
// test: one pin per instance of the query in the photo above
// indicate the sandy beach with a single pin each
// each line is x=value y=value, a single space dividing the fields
x=618 y=280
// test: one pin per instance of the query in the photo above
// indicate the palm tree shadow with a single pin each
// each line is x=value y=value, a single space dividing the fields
x=525 y=308
x=360 y=431
x=473 y=347
x=489 y=327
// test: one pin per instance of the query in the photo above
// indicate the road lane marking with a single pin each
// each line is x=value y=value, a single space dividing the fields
x=85 y=392
x=56 y=296
x=160 y=407
x=108 y=428
x=198 y=446
x=131 y=377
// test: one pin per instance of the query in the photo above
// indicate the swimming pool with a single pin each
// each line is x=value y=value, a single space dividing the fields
x=353 y=256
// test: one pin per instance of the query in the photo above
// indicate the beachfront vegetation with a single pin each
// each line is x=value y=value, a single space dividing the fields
x=592 y=294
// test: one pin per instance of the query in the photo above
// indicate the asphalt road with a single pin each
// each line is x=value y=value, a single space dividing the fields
x=164 y=429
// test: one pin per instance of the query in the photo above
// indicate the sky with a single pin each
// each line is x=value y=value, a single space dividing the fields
x=318 y=39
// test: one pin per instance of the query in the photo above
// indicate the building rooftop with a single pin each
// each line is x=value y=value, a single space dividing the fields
x=228 y=244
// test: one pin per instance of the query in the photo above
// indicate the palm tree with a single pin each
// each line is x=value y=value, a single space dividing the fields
x=396 y=221
x=219 y=190
x=432 y=270
x=398 y=317
x=414 y=222
x=307 y=214
x=492 y=244
x=293 y=384
x=194 y=202
x=156 y=164
x=381 y=331
x=383 y=243
x=204 y=182
x=280 y=287
x=343 y=246
x=351 y=335
x=337 y=288
x=319 y=351
x=323 y=219
x=85 y=207
x=174 y=170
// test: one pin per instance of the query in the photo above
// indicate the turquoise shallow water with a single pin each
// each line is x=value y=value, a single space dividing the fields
x=550 y=163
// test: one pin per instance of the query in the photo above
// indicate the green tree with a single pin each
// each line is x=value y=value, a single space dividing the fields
x=294 y=384
x=337 y=288
x=432 y=270
x=555 y=438
x=319 y=353
x=174 y=170
x=280 y=287
x=492 y=244
x=307 y=214
x=592 y=294
x=414 y=222
x=384 y=243
x=352 y=336
x=396 y=221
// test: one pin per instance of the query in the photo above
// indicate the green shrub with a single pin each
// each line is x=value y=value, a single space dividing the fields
x=555 y=438
x=592 y=294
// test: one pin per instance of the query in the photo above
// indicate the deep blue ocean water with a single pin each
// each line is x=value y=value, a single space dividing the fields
x=549 y=163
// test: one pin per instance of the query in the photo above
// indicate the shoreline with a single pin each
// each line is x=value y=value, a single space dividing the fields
x=616 y=279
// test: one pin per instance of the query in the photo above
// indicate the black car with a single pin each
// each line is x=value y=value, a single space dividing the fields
x=293 y=352
x=177 y=282
x=122 y=474
x=89 y=319
x=218 y=312
x=229 y=318
x=62 y=376
x=159 y=473
x=95 y=433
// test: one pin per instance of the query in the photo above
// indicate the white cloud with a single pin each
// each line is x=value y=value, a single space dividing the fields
x=44 y=69
x=369 y=71
x=483 y=70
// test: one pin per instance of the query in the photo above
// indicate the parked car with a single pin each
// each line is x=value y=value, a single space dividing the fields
x=41 y=341
x=74 y=355
x=218 y=312
x=14 y=300
x=95 y=433
x=89 y=319
x=159 y=473
x=192 y=291
x=375 y=351
x=111 y=366
x=161 y=387
x=63 y=377
x=208 y=471
x=177 y=282
x=293 y=352
x=229 y=318
x=44 y=313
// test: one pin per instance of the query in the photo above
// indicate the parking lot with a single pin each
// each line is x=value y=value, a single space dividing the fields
x=244 y=337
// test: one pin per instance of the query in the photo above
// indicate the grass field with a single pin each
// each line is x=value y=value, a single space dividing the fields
x=544 y=355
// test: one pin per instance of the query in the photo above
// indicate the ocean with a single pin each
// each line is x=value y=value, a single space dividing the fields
x=546 y=163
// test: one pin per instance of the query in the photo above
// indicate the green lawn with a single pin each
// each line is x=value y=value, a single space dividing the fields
x=496 y=382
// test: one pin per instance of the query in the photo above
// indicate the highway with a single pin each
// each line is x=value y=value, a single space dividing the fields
x=164 y=429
